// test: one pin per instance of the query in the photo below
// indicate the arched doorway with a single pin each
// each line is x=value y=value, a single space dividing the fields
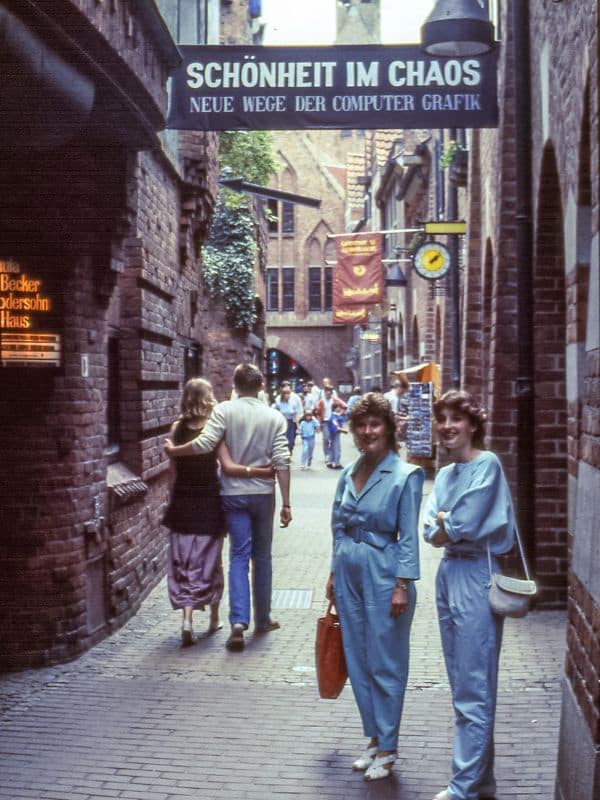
x=550 y=402
x=281 y=367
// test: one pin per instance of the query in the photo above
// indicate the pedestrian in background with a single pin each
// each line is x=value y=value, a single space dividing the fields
x=308 y=430
x=374 y=566
x=397 y=396
x=336 y=429
x=195 y=514
x=469 y=512
x=286 y=406
x=255 y=436
x=354 y=398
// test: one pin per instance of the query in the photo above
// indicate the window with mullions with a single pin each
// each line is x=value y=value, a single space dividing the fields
x=272 y=288
x=314 y=288
x=187 y=20
x=287 y=217
x=287 y=289
x=328 y=288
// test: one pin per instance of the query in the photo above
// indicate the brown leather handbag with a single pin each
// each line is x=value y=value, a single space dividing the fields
x=329 y=656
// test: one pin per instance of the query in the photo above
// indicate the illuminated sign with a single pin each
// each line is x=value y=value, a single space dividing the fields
x=28 y=322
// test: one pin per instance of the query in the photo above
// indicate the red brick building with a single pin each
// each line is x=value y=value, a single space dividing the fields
x=101 y=225
x=530 y=328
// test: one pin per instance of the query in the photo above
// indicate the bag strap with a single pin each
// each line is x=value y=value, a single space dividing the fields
x=521 y=552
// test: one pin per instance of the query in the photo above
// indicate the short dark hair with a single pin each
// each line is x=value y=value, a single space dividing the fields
x=464 y=402
x=374 y=404
x=247 y=378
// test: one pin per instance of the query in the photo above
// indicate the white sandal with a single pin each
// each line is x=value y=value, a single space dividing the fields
x=381 y=767
x=364 y=761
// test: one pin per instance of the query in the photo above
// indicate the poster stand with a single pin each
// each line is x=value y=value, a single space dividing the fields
x=423 y=389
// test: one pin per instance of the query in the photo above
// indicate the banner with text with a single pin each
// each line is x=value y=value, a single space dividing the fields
x=344 y=86
x=357 y=275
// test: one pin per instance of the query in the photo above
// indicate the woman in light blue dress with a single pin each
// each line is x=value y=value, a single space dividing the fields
x=468 y=511
x=374 y=566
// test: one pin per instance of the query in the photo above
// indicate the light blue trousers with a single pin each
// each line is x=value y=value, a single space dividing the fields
x=471 y=640
x=375 y=645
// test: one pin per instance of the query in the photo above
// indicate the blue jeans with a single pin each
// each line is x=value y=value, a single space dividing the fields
x=308 y=445
x=326 y=441
x=250 y=526
x=335 y=446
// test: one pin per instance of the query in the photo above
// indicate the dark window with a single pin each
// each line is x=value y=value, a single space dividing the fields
x=287 y=217
x=113 y=410
x=314 y=288
x=272 y=289
x=328 y=288
x=192 y=363
x=287 y=288
x=272 y=215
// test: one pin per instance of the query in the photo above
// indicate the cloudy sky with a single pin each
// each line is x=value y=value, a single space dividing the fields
x=313 y=21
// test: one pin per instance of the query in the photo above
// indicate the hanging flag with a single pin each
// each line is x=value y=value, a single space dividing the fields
x=358 y=274
x=350 y=315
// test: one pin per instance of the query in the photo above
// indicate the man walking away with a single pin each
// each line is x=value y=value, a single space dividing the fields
x=255 y=435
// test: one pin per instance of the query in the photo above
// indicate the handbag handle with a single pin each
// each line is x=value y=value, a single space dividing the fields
x=521 y=552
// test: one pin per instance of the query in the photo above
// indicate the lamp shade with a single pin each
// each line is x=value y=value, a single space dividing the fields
x=458 y=28
x=395 y=276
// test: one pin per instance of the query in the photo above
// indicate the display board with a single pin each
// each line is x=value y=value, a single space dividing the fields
x=419 y=435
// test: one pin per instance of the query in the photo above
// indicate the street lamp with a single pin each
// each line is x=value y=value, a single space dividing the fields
x=458 y=28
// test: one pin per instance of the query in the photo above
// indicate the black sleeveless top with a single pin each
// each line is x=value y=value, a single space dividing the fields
x=195 y=505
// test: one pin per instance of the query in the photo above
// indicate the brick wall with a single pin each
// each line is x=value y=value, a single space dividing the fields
x=117 y=235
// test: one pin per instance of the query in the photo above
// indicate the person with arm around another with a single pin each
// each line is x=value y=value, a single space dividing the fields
x=374 y=567
x=468 y=511
x=255 y=435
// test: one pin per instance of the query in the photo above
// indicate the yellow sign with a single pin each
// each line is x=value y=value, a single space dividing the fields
x=445 y=227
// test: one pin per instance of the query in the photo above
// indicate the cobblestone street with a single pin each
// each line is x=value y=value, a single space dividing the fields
x=139 y=718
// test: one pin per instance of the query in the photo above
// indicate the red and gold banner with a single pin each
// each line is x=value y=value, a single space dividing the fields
x=350 y=315
x=357 y=276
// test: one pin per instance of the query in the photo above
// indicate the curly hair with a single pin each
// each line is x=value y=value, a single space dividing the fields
x=464 y=403
x=374 y=404
x=197 y=399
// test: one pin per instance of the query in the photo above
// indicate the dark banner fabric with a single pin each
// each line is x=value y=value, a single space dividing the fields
x=357 y=275
x=343 y=86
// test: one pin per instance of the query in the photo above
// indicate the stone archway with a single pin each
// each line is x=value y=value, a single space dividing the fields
x=550 y=402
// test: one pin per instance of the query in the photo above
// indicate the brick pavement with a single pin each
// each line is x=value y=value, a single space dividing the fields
x=139 y=718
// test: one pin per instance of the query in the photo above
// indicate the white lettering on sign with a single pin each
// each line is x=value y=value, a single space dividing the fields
x=451 y=102
x=263 y=74
x=257 y=103
x=424 y=73
x=211 y=105
x=374 y=102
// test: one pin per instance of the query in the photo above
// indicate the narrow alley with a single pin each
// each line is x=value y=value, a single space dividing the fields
x=140 y=718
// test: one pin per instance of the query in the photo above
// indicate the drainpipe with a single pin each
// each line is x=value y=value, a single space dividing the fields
x=454 y=283
x=524 y=242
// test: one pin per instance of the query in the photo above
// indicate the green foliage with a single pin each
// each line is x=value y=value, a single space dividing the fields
x=447 y=156
x=228 y=268
x=230 y=251
x=248 y=155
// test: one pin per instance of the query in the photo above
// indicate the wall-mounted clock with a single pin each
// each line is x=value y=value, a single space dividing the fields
x=432 y=260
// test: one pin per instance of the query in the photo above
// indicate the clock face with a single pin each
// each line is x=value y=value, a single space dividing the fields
x=432 y=260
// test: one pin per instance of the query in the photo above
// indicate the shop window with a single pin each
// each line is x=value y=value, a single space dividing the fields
x=272 y=288
x=287 y=289
x=314 y=288
x=113 y=410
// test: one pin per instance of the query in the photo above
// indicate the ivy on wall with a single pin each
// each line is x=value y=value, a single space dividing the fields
x=230 y=251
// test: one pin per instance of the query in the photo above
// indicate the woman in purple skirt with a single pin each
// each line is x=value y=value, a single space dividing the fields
x=195 y=514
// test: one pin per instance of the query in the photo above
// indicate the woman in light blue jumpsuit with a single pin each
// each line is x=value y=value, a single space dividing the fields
x=375 y=563
x=469 y=510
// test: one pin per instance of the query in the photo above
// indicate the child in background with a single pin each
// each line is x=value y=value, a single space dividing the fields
x=308 y=428
x=336 y=428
